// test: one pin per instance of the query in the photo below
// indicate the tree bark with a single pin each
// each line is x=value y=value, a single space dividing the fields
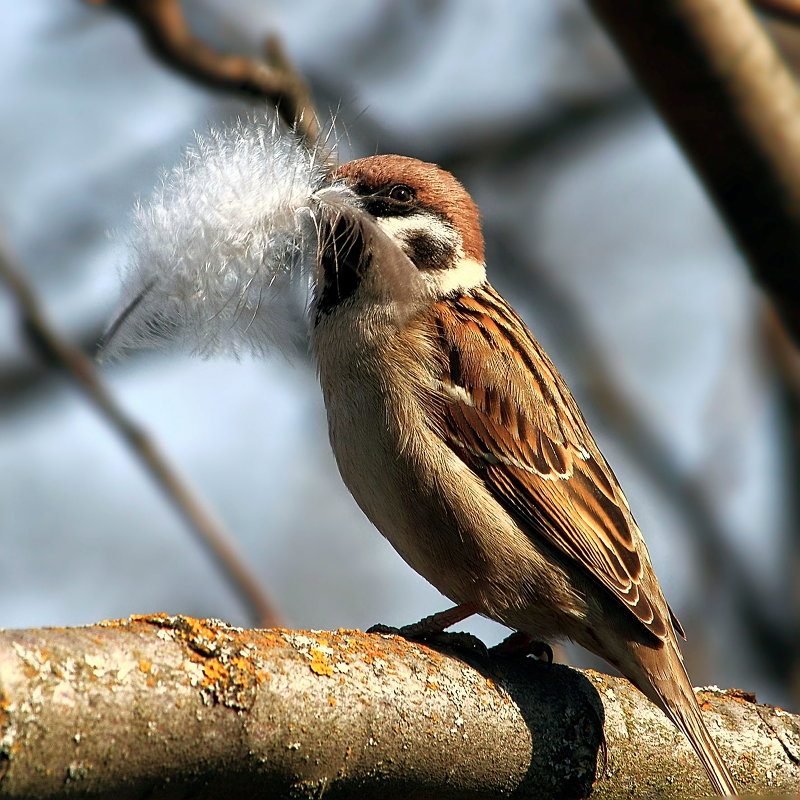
x=162 y=706
x=734 y=107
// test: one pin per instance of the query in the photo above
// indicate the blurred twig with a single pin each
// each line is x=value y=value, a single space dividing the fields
x=274 y=79
x=786 y=362
x=734 y=107
x=787 y=10
x=59 y=351
x=784 y=356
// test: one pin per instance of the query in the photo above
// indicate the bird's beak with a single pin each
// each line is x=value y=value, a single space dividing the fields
x=336 y=194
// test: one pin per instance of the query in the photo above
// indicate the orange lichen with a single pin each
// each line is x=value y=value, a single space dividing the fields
x=737 y=695
x=320 y=664
x=146 y=619
x=332 y=701
x=213 y=672
x=233 y=662
x=242 y=663
x=4 y=715
x=740 y=695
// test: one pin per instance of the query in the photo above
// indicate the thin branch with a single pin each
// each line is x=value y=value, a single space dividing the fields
x=734 y=107
x=210 y=532
x=786 y=10
x=784 y=356
x=785 y=359
x=163 y=706
x=274 y=79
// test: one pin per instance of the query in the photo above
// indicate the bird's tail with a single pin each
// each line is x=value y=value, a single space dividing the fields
x=671 y=690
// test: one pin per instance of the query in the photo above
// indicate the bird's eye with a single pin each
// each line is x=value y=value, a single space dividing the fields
x=402 y=193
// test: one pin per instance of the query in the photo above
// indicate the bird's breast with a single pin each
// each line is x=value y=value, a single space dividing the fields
x=384 y=452
x=433 y=509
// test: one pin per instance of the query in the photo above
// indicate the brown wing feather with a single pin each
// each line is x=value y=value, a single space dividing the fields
x=512 y=418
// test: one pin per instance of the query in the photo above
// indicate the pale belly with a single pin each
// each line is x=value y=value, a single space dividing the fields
x=440 y=518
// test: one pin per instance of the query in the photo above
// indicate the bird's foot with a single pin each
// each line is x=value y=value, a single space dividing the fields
x=519 y=645
x=427 y=626
x=431 y=630
x=457 y=641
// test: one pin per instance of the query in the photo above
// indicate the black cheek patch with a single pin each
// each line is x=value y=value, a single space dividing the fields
x=427 y=252
x=343 y=263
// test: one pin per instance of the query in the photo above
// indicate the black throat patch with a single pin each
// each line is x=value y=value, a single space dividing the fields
x=344 y=261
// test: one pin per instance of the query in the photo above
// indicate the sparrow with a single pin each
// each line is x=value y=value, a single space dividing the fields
x=462 y=443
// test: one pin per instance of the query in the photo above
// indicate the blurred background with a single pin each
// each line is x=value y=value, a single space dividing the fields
x=596 y=230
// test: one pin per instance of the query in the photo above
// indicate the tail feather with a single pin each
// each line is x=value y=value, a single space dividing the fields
x=671 y=690
x=688 y=719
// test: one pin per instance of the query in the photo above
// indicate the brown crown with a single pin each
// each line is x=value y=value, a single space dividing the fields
x=436 y=189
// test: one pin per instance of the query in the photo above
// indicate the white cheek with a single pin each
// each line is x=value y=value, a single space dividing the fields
x=466 y=274
x=401 y=228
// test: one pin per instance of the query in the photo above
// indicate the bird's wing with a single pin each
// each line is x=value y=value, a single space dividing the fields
x=512 y=419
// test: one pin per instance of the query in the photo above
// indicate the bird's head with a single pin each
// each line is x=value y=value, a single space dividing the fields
x=399 y=228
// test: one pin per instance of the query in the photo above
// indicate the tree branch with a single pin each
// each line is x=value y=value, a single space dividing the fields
x=786 y=10
x=164 y=28
x=734 y=107
x=56 y=349
x=170 y=706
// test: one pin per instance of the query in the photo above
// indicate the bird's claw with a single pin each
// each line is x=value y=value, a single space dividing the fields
x=386 y=630
x=450 y=640
x=520 y=645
